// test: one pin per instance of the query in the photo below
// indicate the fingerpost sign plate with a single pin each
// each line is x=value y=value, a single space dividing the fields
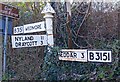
x=19 y=41
x=73 y=55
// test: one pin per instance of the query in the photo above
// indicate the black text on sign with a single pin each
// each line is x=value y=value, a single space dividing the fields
x=18 y=30
x=99 y=56
x=19 y=41
x=73 y=55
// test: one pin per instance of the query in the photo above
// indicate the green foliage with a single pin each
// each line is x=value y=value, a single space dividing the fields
x=50 y=66
x=110 y=70
x=6 y=76
x=54 y=69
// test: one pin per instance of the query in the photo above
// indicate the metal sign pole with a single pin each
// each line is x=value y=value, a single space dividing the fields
x=1 y=57
x=5 y=45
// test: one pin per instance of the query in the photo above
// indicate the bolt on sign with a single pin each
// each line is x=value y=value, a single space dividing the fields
x=73 y=55
x=19 y=41
x=8 y=10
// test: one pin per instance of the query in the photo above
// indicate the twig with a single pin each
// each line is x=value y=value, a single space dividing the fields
x=86 y=15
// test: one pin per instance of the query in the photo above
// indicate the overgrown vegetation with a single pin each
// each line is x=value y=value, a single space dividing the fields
x=92 y=26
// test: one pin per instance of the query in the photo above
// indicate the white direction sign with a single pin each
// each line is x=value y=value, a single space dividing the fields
x=99 y=56
x=19 y=41
x=73 y=55
x=30 y=28
x=34 y=27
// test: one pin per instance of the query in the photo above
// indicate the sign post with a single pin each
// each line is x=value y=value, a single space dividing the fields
x=1 y=44
x=12 y=12
x=1 y=47
x=48 y=11
x=5 y=45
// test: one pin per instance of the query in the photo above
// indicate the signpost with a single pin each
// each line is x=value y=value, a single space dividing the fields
x=5 y=45
x=73 y=55
x=1 y=29
x=48 y=11
x=1 y=46
x=19 y=41
x=12 y=12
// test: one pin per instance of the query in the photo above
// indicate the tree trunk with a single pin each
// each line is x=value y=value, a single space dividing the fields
x=68 y=23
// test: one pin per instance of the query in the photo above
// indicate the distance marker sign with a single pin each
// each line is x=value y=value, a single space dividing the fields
x=19 y=41
x=73 y=55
